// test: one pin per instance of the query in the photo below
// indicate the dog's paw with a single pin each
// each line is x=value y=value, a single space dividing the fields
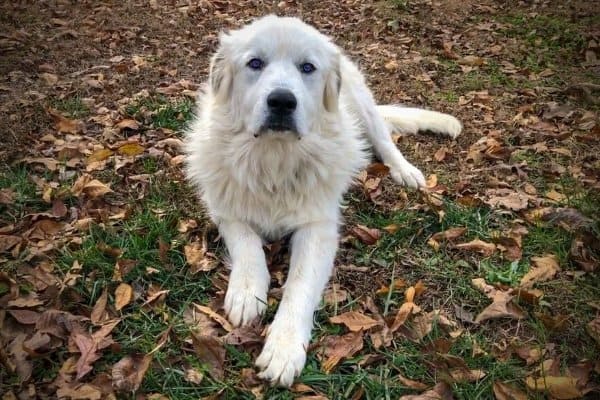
x=282 y=357
x=245 y=301
x=407 y=175
x=446 y=125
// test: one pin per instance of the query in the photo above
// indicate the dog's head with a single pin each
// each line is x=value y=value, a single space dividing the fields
x=277 y=75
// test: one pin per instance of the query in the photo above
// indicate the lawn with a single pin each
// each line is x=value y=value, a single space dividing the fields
x=483 y=285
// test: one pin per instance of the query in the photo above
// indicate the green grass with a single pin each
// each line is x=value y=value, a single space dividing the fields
x=162 y=112
x=72 y=107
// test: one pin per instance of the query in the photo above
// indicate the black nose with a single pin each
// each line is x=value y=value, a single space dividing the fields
x=281 y=102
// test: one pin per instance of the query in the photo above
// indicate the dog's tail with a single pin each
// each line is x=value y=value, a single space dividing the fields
x=412 y=120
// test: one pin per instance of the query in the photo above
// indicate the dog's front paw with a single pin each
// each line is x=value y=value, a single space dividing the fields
x=246 y=300
x=408 y=175
x=282 y=357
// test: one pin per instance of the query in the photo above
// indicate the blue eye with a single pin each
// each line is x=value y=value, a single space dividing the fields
x=256 y=63
x=307 y=68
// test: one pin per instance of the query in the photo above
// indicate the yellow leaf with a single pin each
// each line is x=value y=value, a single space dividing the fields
x=99 y=155
x=559 y=387
x=123 y=296
x=131 y=149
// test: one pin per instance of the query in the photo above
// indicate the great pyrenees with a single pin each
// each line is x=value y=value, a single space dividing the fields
x=277 y=139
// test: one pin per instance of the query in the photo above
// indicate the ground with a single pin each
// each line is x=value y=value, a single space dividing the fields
x=484 y=285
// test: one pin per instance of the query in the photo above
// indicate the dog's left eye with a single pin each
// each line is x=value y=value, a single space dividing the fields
x=307 y=68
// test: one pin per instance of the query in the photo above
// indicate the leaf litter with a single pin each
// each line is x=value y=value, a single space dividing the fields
x=82 y=166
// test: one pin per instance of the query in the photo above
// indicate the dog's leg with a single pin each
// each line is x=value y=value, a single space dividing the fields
x=246 y=297
x=363 y=105
x=313 y=251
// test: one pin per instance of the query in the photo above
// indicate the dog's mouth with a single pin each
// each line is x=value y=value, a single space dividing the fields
x=279 y=124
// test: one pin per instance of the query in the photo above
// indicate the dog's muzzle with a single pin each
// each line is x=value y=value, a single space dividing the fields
x=281 y=104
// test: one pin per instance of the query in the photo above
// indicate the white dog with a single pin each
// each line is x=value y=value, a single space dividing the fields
x=277 y=141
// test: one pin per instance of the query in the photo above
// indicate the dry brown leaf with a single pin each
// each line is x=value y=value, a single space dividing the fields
x=355 y=321
x=449 y=234
x=467 y=375
x=502 y=305
x=559 y=387
x=334 y=295
x=507 y=198
x=335 y=348
x=192 y=375
x=198 y=257
x=210 y=351
x=7 y=196
x=402 y=315
x=505 y=391
x=411 y=384
x=81 y=391
x=128 y=373
x=485 y=248
x=99 y=313
x=7 y=242
x=123 y=296
x=368 y=236
x=128 y=124
x=216 y=317
x=544 y=268
x=66 y=125
x=93 y=188
x=88 y=348
x=441 y=391
x=593 y=329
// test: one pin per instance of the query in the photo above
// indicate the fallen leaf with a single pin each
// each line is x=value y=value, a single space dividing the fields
x=82 y=391
x=485 y=248
x=123 y=296
x=93 y=188
x=334 y=295
x=441 y=391
x=131 y=149
x=502 y=305
x=507 y=198
x=467 y=375
x=354 y=321
x=449 y=234
x=198 y=257
x=128 y=124
x=335 y=348
x=544 y=268
x=66 y=125
x=210 y=350
x=368 y=236
x=192 y=375
x=128 y=373
x=88 y=348
x=411 y=384
x=505 y=391
x=559 y=387
x=99 y=155
x=593 y=329
x=99 y=314
x=216 y=317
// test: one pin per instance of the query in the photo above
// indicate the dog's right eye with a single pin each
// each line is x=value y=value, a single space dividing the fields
x=256 y=64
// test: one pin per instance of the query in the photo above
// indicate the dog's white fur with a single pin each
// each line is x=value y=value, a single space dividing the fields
x=258 y=184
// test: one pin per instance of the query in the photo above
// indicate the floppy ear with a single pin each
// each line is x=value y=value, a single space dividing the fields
x=220 y=75
x=333 y=84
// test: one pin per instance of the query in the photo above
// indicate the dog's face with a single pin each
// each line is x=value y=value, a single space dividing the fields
x=277 y=76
